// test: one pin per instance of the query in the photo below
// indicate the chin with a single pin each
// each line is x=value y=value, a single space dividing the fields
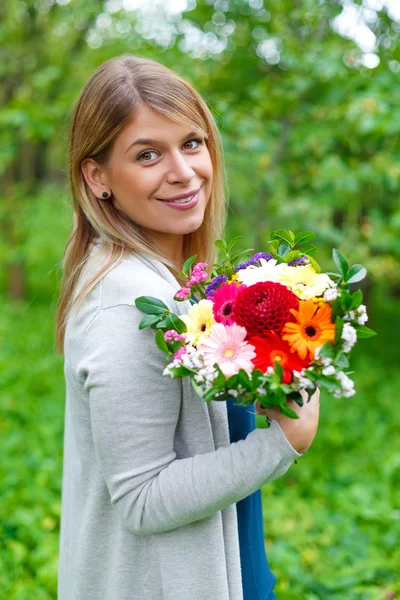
x=191 y=226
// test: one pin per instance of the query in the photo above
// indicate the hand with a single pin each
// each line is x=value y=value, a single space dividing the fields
x=299 y=432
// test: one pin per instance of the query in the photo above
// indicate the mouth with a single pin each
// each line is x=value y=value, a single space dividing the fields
x=187 y=202
x=180 y=199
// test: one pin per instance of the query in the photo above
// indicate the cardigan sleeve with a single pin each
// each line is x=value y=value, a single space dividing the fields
x=134 y=411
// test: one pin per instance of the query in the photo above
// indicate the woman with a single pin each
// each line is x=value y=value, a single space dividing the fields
x=150 y=478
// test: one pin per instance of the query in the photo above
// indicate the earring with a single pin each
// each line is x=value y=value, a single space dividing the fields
x=105 y=194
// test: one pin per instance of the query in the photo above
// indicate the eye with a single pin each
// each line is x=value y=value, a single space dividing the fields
x=198 y=141
x=142 y=156
x=145 y=153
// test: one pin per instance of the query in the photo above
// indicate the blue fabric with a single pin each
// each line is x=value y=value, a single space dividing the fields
x=257 y=577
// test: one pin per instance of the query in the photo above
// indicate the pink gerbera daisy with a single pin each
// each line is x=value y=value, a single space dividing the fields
x=224 y=302
x=227 y=347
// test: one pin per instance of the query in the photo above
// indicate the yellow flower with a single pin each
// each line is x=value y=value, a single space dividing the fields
x=199 y=321
x=314 y=327
x=304 y=282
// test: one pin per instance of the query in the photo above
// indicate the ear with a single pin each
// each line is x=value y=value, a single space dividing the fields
x=94 y=176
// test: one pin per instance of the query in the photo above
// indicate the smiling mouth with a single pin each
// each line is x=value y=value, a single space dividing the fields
x=181 y=200
x=184 y=200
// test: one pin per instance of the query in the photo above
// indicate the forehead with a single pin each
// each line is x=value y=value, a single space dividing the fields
x=148 y=123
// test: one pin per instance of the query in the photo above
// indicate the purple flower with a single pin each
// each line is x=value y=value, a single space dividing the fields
x=253 y=260
x=298 y=261
x=214 y=284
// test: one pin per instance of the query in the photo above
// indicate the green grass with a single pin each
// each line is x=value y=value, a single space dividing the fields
x=332 y=523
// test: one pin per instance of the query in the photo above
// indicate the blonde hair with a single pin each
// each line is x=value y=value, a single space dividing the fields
x=106 y=104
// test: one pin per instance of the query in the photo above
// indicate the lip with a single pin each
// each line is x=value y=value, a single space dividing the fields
x=179 y=196
x=186 y=206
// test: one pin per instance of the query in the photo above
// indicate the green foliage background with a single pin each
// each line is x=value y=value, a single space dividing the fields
x=311 y=142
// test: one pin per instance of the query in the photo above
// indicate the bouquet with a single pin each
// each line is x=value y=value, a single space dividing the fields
x=265 y=327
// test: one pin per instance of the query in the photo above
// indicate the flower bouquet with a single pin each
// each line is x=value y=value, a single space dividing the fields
x=265 y=328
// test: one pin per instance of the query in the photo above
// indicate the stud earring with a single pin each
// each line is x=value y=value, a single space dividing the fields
x=105 y=194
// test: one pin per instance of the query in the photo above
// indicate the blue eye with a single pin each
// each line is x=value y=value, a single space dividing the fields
x=141 y=156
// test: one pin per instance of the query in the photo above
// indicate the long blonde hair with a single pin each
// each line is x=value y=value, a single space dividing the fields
x=106 y=104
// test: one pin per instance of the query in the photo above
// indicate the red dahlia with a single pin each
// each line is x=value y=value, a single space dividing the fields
x=264 y=306
x=270 y=348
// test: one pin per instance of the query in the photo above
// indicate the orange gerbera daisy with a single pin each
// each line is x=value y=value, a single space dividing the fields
x=313 y=327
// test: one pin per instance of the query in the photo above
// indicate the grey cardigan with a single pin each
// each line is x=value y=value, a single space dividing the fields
x=150 y=479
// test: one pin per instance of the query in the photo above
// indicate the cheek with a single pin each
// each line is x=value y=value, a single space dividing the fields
x=206 y=167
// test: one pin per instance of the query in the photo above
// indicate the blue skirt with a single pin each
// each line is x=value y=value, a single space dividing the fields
x=257 y=577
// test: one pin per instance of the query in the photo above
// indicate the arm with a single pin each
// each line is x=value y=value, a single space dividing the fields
x=134 y=412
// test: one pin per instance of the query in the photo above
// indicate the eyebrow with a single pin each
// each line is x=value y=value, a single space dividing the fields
x=145 y=141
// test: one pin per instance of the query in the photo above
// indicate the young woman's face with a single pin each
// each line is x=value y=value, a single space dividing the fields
x=153 y=160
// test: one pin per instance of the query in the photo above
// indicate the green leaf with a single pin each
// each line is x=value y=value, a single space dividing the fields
x=340 y=262
x=303 y=237
x=342 y=362
x=220 y=379
x=314 y=263
x=356 y=300
x=181 y=371
x=161 y=343
x=356 y=273
x=233 y=242
x=346 y=300
x=237 y=257
x=328 y=350
x=336 y=309
x=151 y=305
x=148 y=320
x=196 y=388
x=221 y=245
x=161 y=324
x=311 y=250
x=278 y=370
x=275 y=244
x=329 y=384
x=232 y=381
x=364 y=332
x=276 y=256
x=288 y=412
x=174 y=322
x=292 y=236
x=292 y=255
x=244 y=379
x=281 y=234
x=188 y=263
x=338 y=329
x=210 y=394
x=283 y=250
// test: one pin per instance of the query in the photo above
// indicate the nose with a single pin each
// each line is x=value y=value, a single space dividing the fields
x=179 y=169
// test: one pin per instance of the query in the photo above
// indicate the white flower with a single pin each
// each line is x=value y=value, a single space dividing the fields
x=304 y=281
x=361 y=314
x=349 y=337
x=262 y=391
x=347 y=386
x=330 y=370
x=302 y=381
x=326 y=361
x=233 y=393
x=269 y=271
x=331 y=294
